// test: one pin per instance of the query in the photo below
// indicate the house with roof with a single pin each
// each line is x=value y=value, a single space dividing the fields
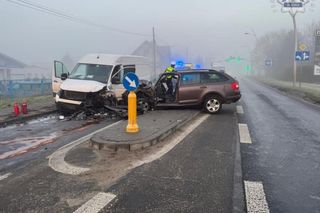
x=163 y=54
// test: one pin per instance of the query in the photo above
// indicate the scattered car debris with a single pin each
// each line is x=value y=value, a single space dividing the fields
x=105 y=104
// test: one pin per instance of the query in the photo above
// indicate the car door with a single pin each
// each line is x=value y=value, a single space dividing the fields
x=58 y=69
x=190 y=88
x=215 y=82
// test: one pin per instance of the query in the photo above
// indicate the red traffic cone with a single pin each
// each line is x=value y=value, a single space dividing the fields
x=16 y=109
x=24 y=107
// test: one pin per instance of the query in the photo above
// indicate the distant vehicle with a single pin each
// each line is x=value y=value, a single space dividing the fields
x=219 y=68
x=199 y=87
x=93 y=77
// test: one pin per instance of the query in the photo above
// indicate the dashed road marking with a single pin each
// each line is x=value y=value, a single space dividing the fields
x=2 y=177
x=56 y=159
x=255 y=197
x=240 y=109
x=96 y=203
x=244 y=134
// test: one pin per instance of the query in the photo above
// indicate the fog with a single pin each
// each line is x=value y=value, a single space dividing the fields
x=209 y=29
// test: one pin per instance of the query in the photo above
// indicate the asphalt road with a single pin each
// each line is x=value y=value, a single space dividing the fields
x=196 y=176
x=285 y=151
x=32 y=186
x=36 y=139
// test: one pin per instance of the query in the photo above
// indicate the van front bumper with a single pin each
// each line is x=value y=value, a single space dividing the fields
x=66 y=101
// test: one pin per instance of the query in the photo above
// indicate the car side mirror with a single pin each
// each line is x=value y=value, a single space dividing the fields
x=64 y=76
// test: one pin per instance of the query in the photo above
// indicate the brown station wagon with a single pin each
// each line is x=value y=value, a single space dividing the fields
x=207 y=88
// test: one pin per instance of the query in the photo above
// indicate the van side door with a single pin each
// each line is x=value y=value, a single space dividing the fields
x=58 y=69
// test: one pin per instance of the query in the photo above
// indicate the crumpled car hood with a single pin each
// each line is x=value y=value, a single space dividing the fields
x=82 y=85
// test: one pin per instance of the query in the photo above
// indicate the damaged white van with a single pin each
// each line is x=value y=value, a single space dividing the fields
x=94 y=77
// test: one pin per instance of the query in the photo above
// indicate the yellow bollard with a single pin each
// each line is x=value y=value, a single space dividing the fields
x=132 y=126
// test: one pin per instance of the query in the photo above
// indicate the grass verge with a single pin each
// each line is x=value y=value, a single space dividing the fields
x=307 y=91
x=34 y=100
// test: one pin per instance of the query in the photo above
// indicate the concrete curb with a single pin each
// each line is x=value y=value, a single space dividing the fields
x=98 y=143
x=25 y=118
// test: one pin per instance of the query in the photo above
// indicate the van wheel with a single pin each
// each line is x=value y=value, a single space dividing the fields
x=212 y=104
x=143 y=105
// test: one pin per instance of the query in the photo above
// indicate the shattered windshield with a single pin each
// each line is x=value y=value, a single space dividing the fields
x=93 y=72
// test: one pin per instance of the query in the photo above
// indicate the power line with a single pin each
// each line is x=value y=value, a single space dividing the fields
x=63 y=15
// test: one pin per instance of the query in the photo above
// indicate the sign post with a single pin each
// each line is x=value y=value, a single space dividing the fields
x=317 y=53
x=293 y=7
x=131 y=83
x=302 y=56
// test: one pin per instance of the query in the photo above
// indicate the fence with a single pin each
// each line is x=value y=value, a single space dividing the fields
x=16 y=89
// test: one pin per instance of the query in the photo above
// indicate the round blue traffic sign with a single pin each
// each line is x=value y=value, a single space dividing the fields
x=131 y=81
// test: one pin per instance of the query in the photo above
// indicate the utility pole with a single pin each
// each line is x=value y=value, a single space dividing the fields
x=154 y=53
x=293 y=7
x=295 y=31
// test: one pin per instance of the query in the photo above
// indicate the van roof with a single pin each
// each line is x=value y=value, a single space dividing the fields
x=111 y=59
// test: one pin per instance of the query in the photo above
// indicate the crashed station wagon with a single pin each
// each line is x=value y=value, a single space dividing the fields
x=96 y=80
x=209 y=89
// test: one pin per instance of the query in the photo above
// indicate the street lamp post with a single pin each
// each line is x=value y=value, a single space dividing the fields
x=293 y=7
x=253 y=33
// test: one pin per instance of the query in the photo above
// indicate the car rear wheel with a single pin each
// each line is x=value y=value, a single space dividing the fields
x=212 y=104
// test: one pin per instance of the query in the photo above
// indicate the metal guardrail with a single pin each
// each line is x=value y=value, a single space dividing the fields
x=14 y=89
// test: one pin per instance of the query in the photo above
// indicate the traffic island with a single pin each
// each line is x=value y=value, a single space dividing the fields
x=154 y=127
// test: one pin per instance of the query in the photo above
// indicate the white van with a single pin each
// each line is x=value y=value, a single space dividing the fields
x=95 y=73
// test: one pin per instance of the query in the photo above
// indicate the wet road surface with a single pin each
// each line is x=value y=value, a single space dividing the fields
x=22 y=144
x=196 y=176
x=285 y=150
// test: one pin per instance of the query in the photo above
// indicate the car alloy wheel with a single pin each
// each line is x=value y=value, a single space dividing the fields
x=213 y=105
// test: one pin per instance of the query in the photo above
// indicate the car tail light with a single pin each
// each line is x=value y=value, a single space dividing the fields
x=235 y=86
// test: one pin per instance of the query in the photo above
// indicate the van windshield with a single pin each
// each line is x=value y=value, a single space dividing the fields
x=95 y=72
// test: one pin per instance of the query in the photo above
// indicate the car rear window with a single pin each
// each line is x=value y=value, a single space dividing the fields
x=190 y=78
x=212 y=78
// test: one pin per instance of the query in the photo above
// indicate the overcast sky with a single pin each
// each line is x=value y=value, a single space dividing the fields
x=208 y=28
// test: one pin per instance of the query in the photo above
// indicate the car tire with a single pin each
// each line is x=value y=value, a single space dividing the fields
x=143 y=105
x=212 y=104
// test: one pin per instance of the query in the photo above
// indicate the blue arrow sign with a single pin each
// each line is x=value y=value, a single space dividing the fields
x=268 y=62
x=131 y=81
x=302 y=55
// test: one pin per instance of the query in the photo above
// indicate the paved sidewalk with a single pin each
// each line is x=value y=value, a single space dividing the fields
x=34 y=110
x=154 y=126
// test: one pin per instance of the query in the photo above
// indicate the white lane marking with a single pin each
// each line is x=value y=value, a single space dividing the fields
x=240 y=109
x=166 y=148
x=96 y=203
x=2 y=177
x=244 y=134
x=255 y=197
x=56 y=159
